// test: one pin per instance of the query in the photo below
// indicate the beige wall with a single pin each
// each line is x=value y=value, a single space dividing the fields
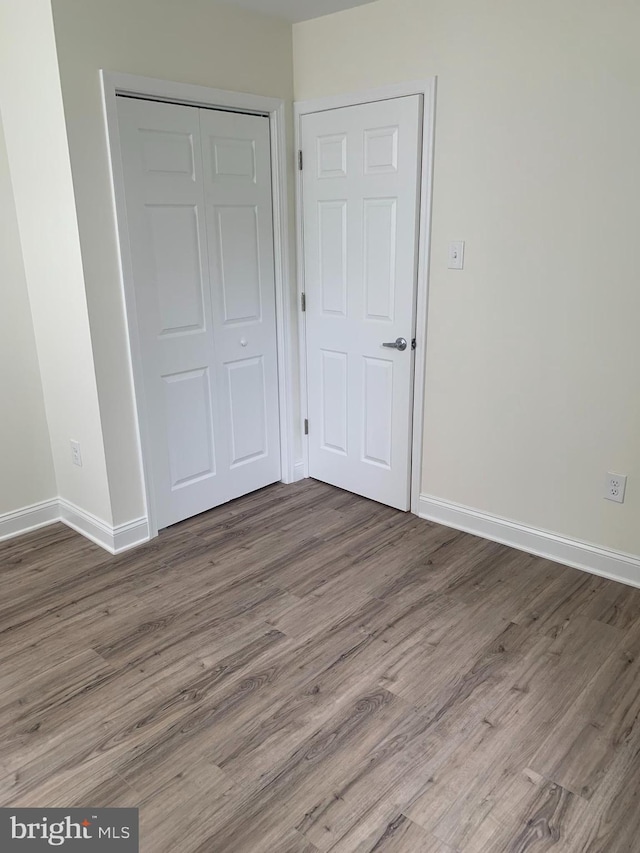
x=192 y=41
x=26 y=466
x=41 y=178
x=534 y=349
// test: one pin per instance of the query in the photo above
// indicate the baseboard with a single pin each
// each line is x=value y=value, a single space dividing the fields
x=607 y=563
x=115 y=540
x=126 y=536
x=298 y=471
x=28 y=518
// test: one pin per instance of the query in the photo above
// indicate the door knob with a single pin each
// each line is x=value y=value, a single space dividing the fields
x=399 y=343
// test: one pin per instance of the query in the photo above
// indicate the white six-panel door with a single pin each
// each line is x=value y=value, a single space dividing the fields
x=199 y=212
x=360 y=192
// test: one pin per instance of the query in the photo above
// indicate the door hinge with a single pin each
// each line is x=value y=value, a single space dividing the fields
x=306 y=426
x=300 y=160
x=303 y=301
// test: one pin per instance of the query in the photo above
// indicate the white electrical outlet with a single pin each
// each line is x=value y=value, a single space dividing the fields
x=616 y=487
x=76 y=456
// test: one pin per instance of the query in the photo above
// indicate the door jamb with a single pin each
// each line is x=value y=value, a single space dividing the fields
x=115 y=83
x=426 y=88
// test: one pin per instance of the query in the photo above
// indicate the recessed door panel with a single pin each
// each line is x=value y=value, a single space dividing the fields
x=334 y=401
x=187 y=404
x=168 y=152
x=332 y=156
x=238 y=253
x=177 y=273
x=379 y=257
x=247 y=408
x=234 y=158
x=381 y=150
x=377 y=412
x=332 y=239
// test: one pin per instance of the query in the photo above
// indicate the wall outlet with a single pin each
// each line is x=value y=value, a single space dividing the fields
x=616 y=487
x=76 y=456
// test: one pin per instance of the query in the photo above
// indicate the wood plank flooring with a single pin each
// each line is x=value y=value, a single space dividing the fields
x=303 y=670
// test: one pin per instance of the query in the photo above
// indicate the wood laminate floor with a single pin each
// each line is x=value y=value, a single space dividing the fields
x=303 y=670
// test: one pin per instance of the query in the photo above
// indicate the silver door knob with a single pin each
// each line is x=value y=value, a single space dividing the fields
x=399 y=343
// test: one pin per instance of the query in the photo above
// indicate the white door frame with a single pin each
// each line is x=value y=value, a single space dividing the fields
x=427 y=88
x=113 y=84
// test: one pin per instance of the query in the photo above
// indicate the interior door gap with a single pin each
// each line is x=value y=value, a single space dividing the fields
x=196 y=106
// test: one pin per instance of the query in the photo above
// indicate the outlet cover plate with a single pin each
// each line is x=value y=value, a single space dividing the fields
x=615 y=488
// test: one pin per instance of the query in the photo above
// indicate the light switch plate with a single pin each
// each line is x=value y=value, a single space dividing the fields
x=456 y=255
x=76 y=455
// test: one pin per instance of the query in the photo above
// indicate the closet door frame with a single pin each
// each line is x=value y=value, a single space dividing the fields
x=114 y=84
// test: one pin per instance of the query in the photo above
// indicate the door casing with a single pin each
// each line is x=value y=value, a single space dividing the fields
x=426 y=88
x=113 y=84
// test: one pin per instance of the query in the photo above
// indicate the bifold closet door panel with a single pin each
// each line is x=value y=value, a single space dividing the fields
x=201 y=427
x=239 y=215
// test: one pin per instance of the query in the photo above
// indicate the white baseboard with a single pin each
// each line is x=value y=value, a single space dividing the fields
x=87 y=524
x=131 y=534
x=115 y=540
x=298 y=471
x=28 y=518
x=607 y=563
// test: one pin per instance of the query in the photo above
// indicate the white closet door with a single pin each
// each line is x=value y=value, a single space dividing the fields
x=360 y=200
x=208 y=442
x=237 y=180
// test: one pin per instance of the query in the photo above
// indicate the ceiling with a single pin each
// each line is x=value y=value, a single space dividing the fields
x=298 y=10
